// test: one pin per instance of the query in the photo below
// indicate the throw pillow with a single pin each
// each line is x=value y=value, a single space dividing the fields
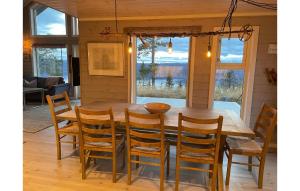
x=31 y=84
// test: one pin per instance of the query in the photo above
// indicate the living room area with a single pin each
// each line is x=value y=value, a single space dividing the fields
x=49 y=58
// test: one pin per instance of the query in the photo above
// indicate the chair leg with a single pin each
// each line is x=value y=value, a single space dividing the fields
x=250 y=163
x=214 y=177
x=74 y=142
x=162 y=173
x=168 y=161
x=83 y=165
x=114 y=166
x=58 y=147
x=128 y=168
x=228 y=168
x=80 y=149
x=261 y=172
x=177 y=174
x=137 y=158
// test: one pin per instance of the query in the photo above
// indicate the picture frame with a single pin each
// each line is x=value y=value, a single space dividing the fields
x=106 y=58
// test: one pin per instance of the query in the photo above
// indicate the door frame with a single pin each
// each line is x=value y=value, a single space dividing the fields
x=249 y=62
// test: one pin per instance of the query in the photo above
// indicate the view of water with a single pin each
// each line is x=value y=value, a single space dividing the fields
x=161 y=83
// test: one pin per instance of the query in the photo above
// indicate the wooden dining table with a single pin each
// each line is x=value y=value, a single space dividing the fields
x=232 y=124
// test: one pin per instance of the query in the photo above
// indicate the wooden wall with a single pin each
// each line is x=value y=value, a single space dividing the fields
x=113 y=88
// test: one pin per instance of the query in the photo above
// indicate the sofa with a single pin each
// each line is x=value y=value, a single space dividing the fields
x=52 y=85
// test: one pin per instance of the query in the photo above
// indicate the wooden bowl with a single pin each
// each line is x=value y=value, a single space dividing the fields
x=156 y=107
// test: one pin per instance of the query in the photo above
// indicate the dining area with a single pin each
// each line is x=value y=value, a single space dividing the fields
x=155 y=95
x=179 y=148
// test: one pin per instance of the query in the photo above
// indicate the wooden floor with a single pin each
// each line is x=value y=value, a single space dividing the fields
x=43 y=172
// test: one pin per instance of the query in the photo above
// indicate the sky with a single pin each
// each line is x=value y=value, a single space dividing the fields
x=51 y=22
x=179 y=54
x=231 y=51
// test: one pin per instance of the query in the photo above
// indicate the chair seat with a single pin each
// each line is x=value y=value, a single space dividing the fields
x=238 y=145
x=71 y=128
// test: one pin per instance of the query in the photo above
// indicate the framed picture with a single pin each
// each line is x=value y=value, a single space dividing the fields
x=106 y=59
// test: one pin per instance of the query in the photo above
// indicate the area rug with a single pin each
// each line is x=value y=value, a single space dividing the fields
x=36 y=118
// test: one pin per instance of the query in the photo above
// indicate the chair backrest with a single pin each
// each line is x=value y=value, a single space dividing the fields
x=58 y=104
x=265 y=125
x=89 y=119
x=203 y=133
x=145 y=130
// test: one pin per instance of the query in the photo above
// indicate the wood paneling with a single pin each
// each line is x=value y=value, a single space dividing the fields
x=141 y=9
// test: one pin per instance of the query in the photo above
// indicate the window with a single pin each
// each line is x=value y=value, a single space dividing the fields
x=47 y=21
x=229 y=89
x=229 y=75
x=50 y=61
x=161 y=76
x=75 y=30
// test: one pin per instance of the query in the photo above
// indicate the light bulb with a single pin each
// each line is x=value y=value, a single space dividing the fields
x=170 y=50
x=130 y=47
x=170 y=45
x=208 y=54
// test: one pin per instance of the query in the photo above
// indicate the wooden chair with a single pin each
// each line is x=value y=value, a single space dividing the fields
x=257 y=147
x=94 y=139
x=198 y=142
x=146 y=138
x=58 y=104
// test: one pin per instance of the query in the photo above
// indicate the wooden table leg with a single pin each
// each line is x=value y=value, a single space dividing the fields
x=220 y=166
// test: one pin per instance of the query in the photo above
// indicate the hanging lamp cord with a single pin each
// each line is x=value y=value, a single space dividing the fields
x=116 y=17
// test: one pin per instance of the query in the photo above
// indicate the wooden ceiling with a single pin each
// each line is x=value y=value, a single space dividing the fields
x=152 y=9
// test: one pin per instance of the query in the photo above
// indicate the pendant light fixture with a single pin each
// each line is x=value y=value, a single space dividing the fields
x=170 y=47
x=208 y=54
x=130 y=46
